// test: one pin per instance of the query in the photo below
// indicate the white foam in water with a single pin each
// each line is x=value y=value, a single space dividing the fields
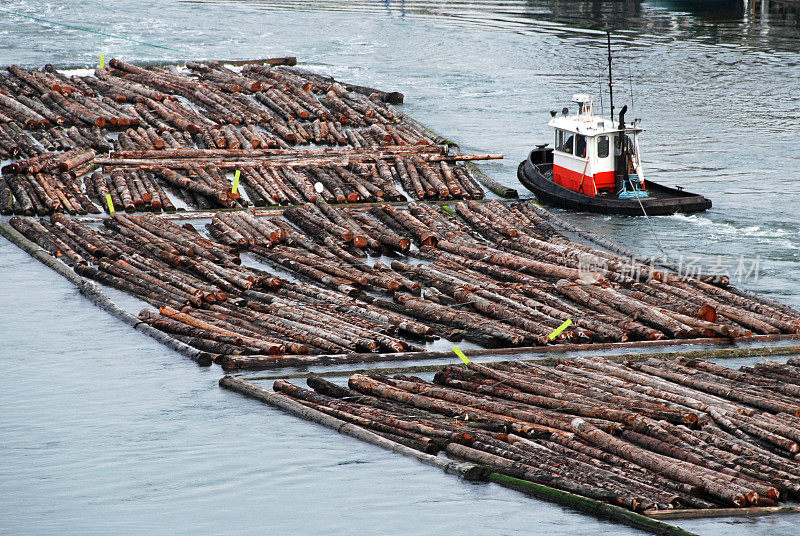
x=730 y=230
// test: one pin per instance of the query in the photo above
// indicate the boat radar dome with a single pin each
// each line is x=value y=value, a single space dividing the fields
x=584 y=103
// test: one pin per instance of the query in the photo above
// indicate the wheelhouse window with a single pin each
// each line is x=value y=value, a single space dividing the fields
x=564 y=141
x=602 y=147
x=580 y=146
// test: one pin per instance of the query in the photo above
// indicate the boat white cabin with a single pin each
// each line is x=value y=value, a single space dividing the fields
x=588 y=157
x=595 y=165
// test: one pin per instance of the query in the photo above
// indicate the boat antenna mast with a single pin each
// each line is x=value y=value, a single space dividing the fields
x=600 y=86
x=610 y=79
x=630 y=85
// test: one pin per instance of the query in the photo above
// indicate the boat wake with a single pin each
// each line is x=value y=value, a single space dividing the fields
x=726 y=231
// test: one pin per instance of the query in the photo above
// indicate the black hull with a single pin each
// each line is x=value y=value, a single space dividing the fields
x=663 y=200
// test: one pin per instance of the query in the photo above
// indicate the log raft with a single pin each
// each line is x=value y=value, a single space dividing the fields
x=594 y=428
x=649 y=436
x=180 y=134
x=489 y=273
x=496 y=274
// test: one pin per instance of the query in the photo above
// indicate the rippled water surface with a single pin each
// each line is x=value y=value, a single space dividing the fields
x=104 y=431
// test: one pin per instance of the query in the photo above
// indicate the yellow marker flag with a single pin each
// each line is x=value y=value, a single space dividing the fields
x=110 y=204
x=460 y=354
x=559 y=329
x=102 y=60
x=235 y=182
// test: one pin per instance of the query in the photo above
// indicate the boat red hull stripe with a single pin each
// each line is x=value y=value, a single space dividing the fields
x=572 y=180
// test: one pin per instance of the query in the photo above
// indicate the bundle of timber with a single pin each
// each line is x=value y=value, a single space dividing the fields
x=645 y=436
x=294 y=176
x=130 y=189
x=15 y=142
x=182 y=131
x=494 y=274
x=207 y=299
x=43 y=194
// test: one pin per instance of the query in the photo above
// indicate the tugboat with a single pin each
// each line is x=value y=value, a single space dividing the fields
x=595 y=166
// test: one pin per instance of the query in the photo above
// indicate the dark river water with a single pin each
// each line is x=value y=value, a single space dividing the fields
x=103 y=431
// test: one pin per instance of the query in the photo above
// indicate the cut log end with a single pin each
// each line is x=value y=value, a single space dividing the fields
x=708 y=313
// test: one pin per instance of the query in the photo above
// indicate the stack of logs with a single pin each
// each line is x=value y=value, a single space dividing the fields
x=647 y=435
x=205 y=296
x=494 y=274
x=295 y=176
x=176 y=123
